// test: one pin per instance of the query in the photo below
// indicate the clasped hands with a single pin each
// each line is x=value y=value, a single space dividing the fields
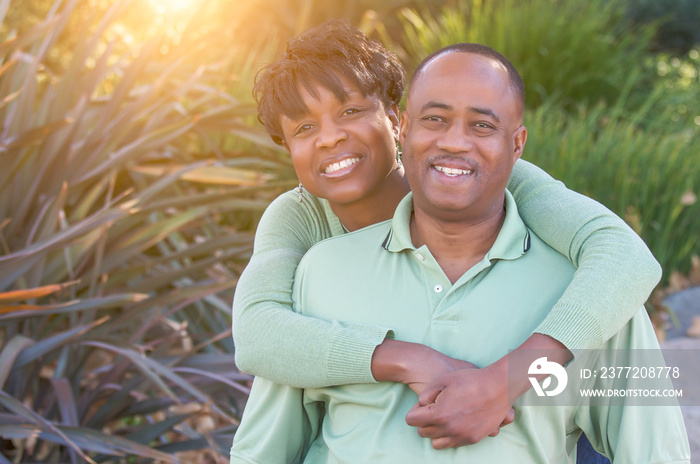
x=458 y=403
x=461 y=407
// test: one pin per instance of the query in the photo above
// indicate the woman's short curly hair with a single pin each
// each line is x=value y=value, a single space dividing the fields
x=321 y=56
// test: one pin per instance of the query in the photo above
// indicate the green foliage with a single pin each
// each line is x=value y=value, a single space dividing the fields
x=130 y=185
x=567 y=51
x=678 y=22
x=612 y=120
x=647 y=175
x=680 y=79
x=132 y=175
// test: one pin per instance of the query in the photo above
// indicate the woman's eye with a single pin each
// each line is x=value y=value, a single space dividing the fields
x=303 y=128
x=351 y=111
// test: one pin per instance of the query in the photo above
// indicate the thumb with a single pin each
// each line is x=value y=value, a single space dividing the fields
x=430 y=394
x=510 y=417
x=421 y=414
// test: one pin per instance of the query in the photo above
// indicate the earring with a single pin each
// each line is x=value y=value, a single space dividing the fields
x=301 y=191
x=399 y=163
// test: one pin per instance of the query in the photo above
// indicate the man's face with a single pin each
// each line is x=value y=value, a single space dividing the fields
x=461 y=134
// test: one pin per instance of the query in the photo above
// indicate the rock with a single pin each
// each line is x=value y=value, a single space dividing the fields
x=694 y=329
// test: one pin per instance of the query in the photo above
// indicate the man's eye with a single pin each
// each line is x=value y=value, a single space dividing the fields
x=433 y=119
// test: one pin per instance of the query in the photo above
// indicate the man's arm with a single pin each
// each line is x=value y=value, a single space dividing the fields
x=643 y=428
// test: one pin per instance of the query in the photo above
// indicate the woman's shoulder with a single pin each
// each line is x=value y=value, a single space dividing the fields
x=310 y=220
x=288 y=204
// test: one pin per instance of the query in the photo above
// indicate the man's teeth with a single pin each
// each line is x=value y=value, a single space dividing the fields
x=452 y=172
x=341 y=165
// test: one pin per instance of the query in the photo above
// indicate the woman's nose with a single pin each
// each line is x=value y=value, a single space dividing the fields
x=330 y=134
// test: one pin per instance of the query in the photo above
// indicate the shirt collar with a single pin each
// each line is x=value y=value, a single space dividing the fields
x=512 y=242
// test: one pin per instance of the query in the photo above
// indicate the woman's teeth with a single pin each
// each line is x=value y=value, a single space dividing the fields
x=341 y=165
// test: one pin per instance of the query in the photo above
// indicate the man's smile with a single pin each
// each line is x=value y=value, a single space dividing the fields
x=453 y=172
x=452 y=166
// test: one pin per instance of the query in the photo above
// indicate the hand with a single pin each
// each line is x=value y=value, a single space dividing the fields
x=412 y=364
x=431 y=367
x=462 y=407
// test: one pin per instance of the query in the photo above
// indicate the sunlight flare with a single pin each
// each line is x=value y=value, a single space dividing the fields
x=163 y=7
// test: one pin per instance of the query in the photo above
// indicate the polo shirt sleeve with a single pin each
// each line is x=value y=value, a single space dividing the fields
x=276 y=428
x=636 y=432
x=271 y=340
x=615 y=273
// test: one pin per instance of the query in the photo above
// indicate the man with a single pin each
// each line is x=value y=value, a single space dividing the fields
x=458 y=247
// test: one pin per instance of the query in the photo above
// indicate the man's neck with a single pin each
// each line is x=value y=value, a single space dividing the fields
x=456 y=245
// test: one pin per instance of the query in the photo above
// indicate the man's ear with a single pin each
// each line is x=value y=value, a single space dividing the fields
x=519 y=139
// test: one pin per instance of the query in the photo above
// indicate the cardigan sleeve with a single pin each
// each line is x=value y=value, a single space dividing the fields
x=615 y=273
x=271 y=340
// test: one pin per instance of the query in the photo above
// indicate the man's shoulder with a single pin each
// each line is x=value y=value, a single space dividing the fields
x=333 y=270
x=542 y=250
x=543 y=256
x=366 y=239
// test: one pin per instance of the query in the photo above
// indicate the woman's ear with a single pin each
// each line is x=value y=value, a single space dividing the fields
x=392 y=113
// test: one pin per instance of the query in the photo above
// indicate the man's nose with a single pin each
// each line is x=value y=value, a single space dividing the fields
x=455 y=139
x=330 y=134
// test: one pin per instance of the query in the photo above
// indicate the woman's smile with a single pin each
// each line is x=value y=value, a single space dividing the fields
x=343 y=149
x=340 y=168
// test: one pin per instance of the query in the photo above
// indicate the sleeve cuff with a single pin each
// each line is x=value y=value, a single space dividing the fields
x=350 y=357
x=573 y=326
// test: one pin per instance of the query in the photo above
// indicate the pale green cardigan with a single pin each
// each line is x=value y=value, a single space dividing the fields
x=616 y=273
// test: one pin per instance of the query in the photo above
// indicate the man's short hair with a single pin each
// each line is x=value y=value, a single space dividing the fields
x=516 y=81
x=322 y=56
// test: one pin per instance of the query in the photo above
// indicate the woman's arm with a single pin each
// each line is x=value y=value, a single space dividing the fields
x=616 y=271
x=274 y=342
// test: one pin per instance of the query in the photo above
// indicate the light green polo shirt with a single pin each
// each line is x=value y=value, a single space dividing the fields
x=376 y=276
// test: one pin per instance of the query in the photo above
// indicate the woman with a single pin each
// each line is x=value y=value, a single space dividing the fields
x=332 y=102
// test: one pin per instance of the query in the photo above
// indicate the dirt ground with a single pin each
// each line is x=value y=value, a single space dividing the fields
x=686 y=307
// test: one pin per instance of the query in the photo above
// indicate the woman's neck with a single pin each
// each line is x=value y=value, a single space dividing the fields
x=376 y=207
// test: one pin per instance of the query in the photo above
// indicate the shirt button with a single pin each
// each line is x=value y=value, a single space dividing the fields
x=419 y=257
x=438 y=288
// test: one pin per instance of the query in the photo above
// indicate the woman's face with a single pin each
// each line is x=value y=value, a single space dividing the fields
x=342 y=151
